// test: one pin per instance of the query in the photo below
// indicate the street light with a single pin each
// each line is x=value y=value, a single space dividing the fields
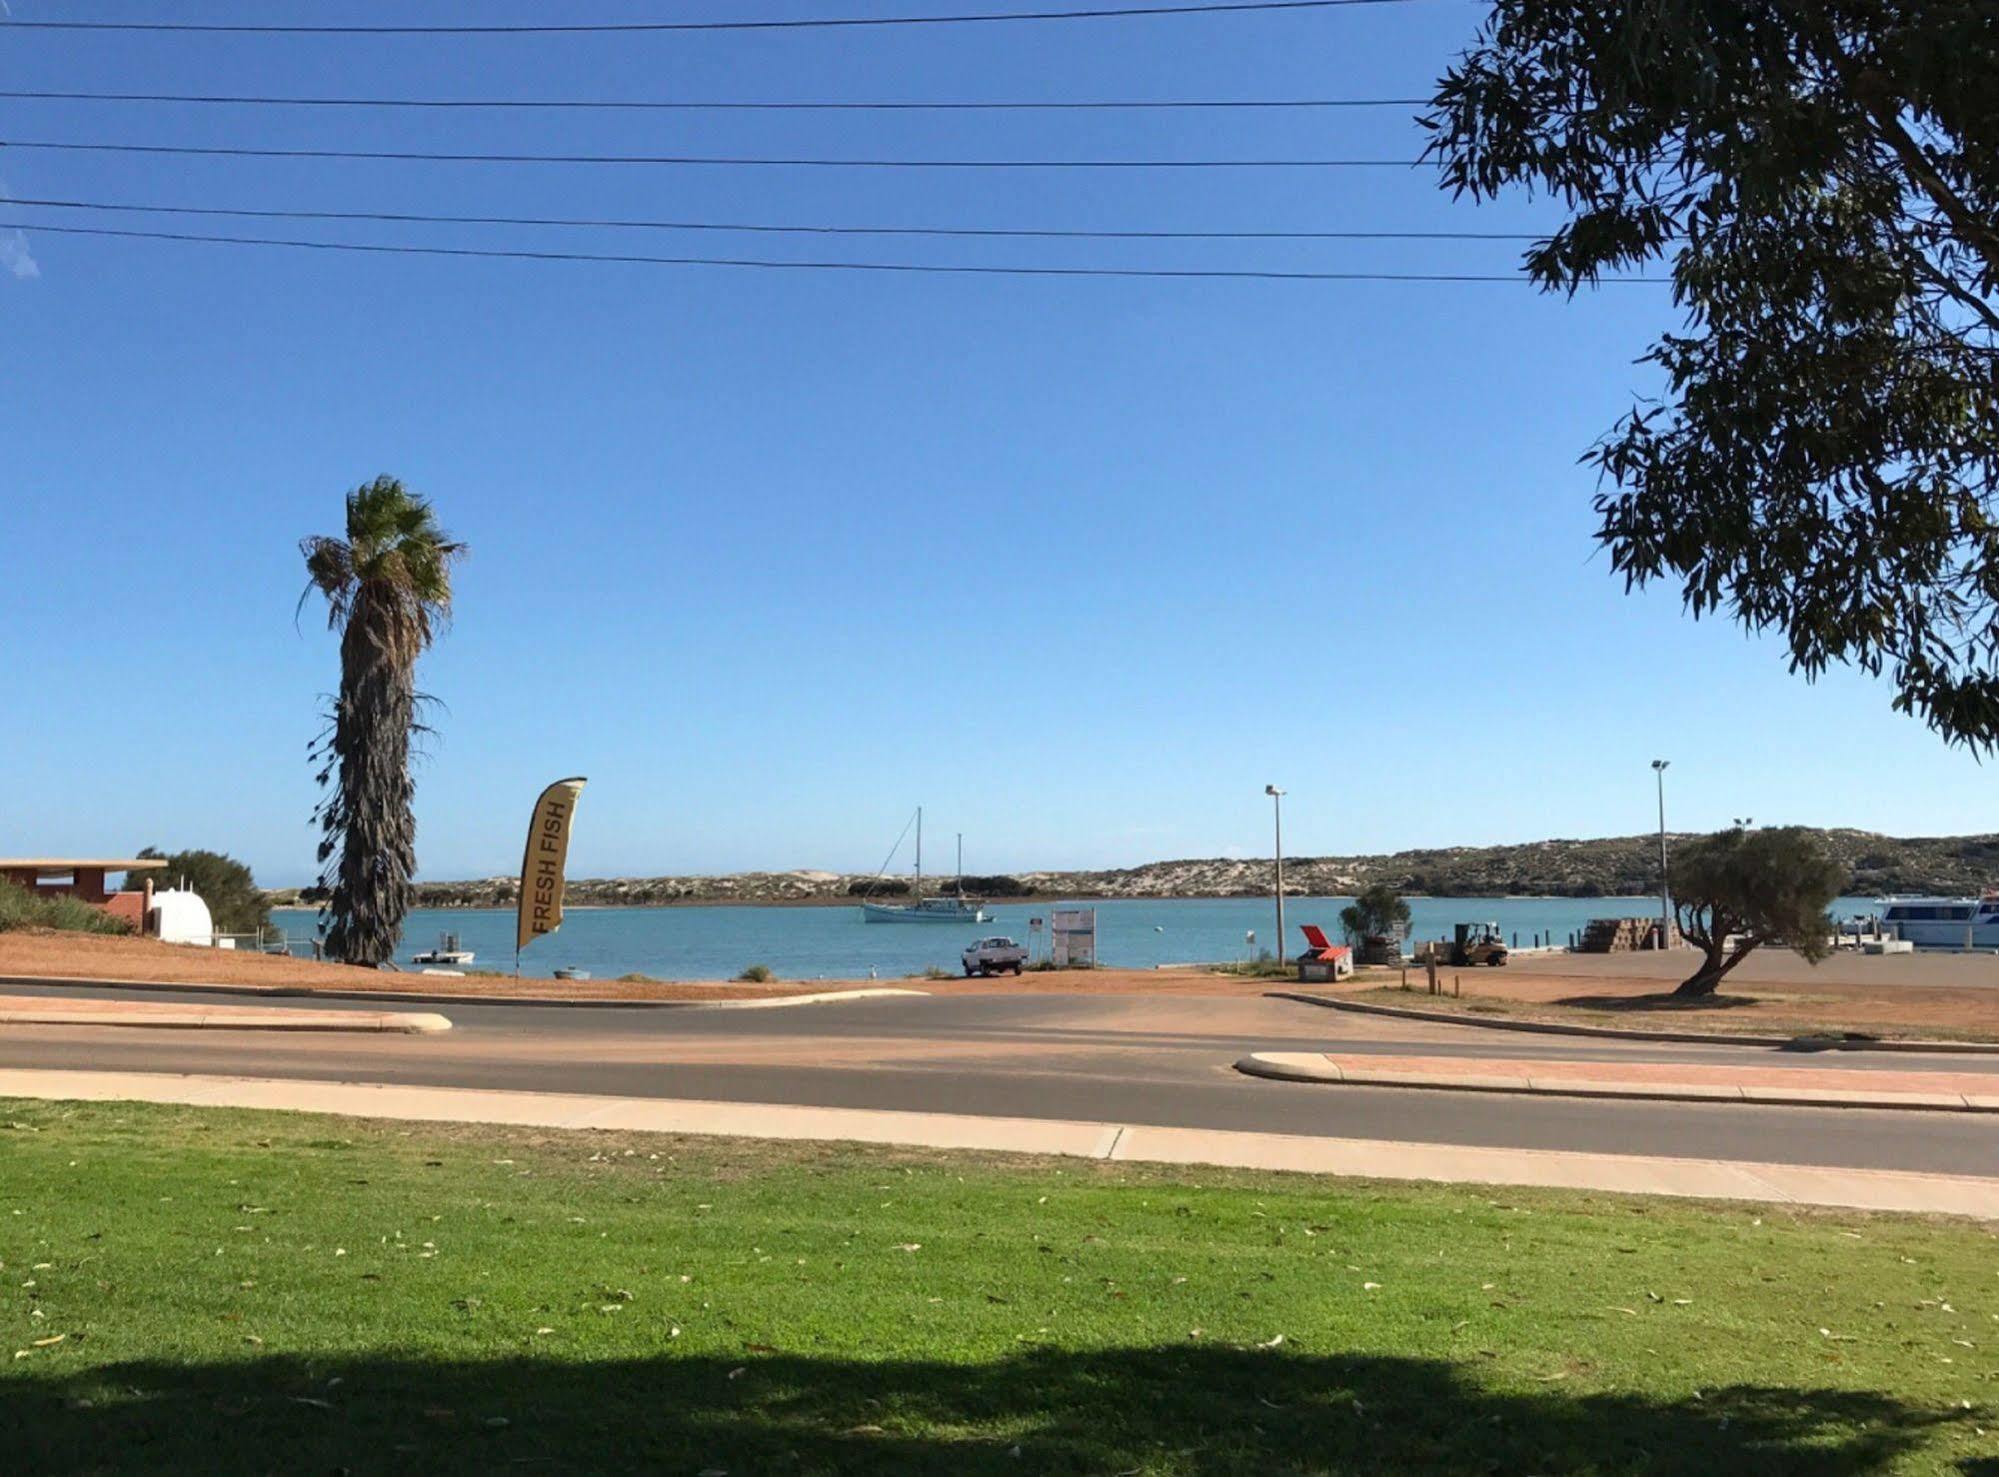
x=1659 y=767
x=1277 y=817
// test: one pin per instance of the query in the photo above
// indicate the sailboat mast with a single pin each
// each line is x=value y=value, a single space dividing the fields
x=919 y=853
x=961 y=866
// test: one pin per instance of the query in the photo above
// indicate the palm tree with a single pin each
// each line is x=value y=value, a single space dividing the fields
x=388 y=590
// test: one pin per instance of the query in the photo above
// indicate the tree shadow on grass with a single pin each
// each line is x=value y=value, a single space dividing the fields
x=1185 y=1410
x=1665 y=1003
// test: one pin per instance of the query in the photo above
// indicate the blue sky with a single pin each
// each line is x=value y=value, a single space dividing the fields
x=771 y=557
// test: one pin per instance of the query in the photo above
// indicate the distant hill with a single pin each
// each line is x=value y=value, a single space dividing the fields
x=1611 y=866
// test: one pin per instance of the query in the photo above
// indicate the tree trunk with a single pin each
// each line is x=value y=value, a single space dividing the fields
x=375 y=829
x=1715 y=963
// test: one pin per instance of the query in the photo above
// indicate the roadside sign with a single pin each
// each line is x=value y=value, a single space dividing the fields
x=1075 y=937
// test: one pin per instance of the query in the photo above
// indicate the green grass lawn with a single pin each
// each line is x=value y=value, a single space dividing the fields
x=209 y=1291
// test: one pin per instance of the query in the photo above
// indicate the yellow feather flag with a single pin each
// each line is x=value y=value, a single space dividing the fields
x=543 y=864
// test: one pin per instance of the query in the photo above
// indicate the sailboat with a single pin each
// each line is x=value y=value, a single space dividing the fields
x=956 y=908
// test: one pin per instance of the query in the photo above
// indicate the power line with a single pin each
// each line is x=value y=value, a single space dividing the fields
x=764 y=228
x=756 y=262
x=1108 y=12
x=237 y=152
x=722 y=105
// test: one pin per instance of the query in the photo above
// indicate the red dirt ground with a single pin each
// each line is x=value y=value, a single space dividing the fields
x=1922 y=995
x=1899 y=1002
x=41 y=953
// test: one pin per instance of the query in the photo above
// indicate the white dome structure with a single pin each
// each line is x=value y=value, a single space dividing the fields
x=179 y=916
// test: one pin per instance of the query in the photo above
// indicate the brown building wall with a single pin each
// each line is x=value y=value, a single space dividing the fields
x=86 y=883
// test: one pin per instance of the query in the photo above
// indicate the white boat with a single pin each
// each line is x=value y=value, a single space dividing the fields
x=446 y=952
x=956 y=908
x=925 y=910
x=1943 y=922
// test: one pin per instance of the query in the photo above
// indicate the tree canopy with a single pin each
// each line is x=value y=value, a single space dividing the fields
x=1823 y=179
x=235 y=902
x=1737 y=890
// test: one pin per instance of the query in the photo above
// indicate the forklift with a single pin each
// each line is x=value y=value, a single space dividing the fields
x=1478 y=943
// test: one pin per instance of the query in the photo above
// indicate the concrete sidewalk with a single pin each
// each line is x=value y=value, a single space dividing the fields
x=1868 y=1189
x=34 y=1010
x=465 y=997
x=1816 y=1087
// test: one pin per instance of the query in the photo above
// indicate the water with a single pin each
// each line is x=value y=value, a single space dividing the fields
x=709 y=943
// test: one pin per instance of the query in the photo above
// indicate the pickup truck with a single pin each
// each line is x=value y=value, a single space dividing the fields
x=994 y=956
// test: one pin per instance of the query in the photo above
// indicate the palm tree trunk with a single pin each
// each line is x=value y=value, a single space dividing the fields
x=371 y=820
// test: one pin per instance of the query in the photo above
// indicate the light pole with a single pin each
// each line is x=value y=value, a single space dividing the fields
x=1665 y=896
x=1277 y=817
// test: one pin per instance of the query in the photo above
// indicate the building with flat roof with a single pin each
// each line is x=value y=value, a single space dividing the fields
x=82 y=878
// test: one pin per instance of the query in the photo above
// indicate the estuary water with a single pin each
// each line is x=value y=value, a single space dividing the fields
x=710 y=943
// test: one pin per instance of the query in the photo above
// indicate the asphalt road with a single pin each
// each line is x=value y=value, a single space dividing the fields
x=1135 y=1059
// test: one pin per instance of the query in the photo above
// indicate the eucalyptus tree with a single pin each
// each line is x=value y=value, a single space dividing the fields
x=1737 y=890
x=1822 y=178
x=387 y=585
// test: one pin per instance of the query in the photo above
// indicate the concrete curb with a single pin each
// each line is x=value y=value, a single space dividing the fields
x=391 y=1022
x=1299 y=1066
x=1616 y=1033
x=1716 y=1179
x=417 y=997
x=827 y=997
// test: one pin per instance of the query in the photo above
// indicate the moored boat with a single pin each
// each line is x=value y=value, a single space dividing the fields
x=925 y=910
x=957 y=908
x=1943 y=922
x=447 y=951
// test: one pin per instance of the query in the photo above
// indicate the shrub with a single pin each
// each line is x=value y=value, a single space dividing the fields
x=1263 y=968
x=757 y=974
x=20 y=908
x=999 y=886
x=1378 y=913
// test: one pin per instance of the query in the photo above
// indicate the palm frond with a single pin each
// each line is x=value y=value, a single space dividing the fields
x=329 y=569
